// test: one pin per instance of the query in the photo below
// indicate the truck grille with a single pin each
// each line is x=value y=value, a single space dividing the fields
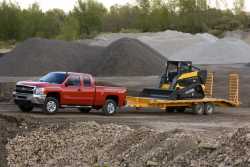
x=24 y=89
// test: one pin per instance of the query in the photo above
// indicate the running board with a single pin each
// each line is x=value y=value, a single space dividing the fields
x=72 y=106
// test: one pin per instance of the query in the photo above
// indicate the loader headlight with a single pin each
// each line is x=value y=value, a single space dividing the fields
x=39 y=91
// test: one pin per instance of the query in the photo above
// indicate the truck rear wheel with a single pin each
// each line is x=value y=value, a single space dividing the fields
x=84 y=109
x=199 y=108
x=26 y=108
x=51 y=105
x=110 y=107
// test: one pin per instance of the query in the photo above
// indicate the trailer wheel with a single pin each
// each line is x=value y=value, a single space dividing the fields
x=209 y=108
x=170 y=110
x=198 y=108
x=182 y=109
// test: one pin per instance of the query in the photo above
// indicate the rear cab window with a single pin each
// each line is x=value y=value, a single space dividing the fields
x=87 y=82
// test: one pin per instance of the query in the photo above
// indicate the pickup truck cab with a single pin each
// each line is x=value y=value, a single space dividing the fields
x=62 y=90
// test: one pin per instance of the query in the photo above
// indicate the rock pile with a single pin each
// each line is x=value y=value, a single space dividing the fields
x=199 y=48
x=35 y=57
x=126 y=57
x=232 y=151
x=92 y=144
x=130 y=57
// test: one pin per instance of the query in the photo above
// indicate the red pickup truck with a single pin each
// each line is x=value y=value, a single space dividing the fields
x=74 y=90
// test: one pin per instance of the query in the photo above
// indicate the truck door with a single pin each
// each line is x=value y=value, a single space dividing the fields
x=71 y=94
x=88 y=91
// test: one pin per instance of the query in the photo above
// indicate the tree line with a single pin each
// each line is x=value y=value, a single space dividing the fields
x=90 y=17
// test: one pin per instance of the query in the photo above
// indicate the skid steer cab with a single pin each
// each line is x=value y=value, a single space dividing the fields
x=181 y=80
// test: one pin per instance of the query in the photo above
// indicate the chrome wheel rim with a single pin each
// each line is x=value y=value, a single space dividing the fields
x=111 y=108
x=51 y=106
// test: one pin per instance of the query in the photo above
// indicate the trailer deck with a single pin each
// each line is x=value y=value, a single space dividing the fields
x=140 y=102
x=232 y=101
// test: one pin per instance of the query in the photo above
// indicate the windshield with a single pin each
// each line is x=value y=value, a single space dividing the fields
x=54 y=78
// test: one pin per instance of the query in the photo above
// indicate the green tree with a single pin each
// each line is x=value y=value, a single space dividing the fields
x=70 y=29
x=145 y=11
x=52 y=23
x=10 y=21
x=89 y=14
x=239 y=6
x=32 y=21
x=121 y=18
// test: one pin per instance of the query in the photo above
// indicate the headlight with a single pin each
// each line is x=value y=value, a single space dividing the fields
x=39 y=91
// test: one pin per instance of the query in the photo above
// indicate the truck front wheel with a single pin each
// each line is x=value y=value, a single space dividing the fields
x=25 y=108
x=110 y=107
x=51 y=105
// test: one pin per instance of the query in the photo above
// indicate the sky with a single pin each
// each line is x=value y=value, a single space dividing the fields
x=67 y=5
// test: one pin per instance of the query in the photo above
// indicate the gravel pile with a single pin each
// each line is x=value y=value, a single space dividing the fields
x=130 y=57
x=199 y=48
x=8 y=130
x=139 y=54
x=125 y=57
x=239 y=34
x=222 y=51
x=36 y=57
x=92 y=144
x=231 y=151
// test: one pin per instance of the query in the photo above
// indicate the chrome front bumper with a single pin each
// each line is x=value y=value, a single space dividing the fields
x=30 y=98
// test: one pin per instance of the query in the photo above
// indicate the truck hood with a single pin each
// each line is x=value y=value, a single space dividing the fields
x=33 y=83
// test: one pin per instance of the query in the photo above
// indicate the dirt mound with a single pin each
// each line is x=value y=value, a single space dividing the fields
x=9 y=128
x=1 y=54
x=124 y=57
x=222 y=51
x=199 y=48
x=38 y=56
x=4 y=134
x=233 y=151
x=92 y=144
x=130 y=57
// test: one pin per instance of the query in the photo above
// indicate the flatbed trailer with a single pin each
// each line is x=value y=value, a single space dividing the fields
x=199 y=106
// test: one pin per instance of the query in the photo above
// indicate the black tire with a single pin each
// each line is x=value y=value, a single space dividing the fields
x=198 y=109
x=170 y=110
x=110 y=107
x=51 y=105
x=209 y=109
x=26 y=108
x=181 y=109
x=84 y=109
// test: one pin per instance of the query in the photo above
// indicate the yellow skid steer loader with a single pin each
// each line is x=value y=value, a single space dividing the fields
x=181 y=80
